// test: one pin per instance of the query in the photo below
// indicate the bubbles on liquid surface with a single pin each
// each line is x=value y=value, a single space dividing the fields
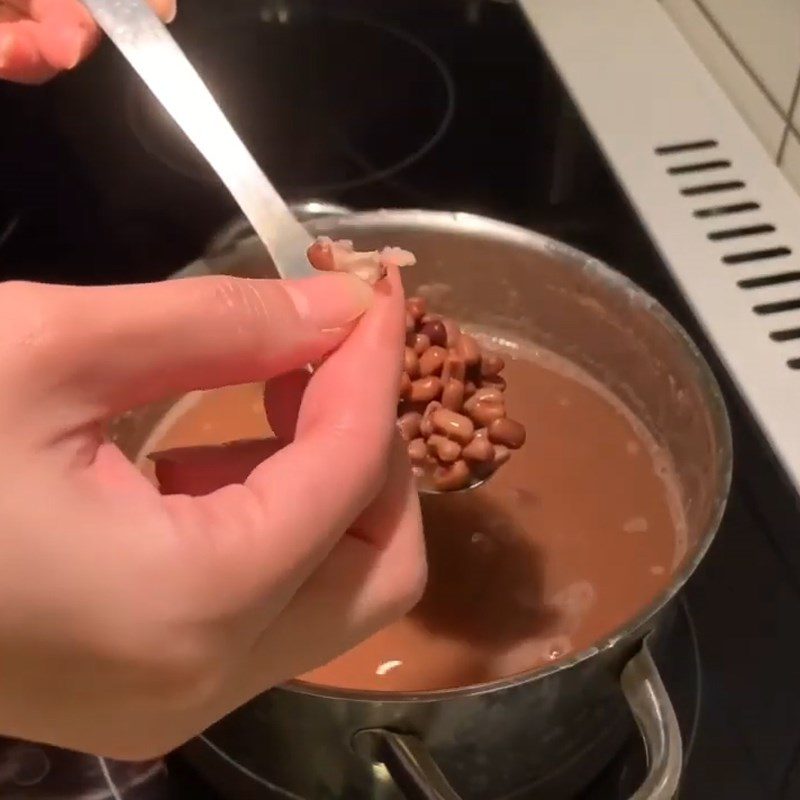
x=636 y=525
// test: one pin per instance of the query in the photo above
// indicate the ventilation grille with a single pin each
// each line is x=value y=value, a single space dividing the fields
x=733 y=230
x=724 y=219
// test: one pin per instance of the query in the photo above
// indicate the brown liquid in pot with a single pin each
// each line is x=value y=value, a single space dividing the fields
x=571 y=538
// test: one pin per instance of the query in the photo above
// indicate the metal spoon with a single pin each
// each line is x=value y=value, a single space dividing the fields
x=150 y=49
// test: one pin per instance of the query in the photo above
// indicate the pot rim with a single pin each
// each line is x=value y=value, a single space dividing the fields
x=570 y=258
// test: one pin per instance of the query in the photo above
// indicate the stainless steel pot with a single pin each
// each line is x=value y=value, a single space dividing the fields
x=547 y=733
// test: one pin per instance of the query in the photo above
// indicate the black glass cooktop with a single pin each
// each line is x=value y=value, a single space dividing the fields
x=444 y=104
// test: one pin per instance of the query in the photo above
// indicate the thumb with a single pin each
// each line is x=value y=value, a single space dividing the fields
x=116 y=348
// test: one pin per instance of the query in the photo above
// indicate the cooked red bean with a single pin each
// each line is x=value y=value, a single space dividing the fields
x=417 y=451
x=454 y=367
x=453 y=395
x=425 y=389
x=405 y=385
x=409 y=425
x=490 y=394
x=426 y=426
x=479 y=449
x=435 y=331
x=481 y=433
x=432 y=360
x=469 y=349
x=420 y=343
x=453 y=477
x=484 y=412
x=469 y=389
x=453 y=425
x=411 y=323
x=446 y=450
x=508 y=432
x=417 y=307
x=491 y=365
x=411 y=362
x=452 y=330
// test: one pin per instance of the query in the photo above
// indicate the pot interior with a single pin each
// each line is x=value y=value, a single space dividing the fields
x=489 y=274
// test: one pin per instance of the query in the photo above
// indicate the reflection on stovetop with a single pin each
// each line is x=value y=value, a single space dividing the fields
x=94 y=188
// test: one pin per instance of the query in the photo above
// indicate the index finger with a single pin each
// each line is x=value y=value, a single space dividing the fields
x=299 y=503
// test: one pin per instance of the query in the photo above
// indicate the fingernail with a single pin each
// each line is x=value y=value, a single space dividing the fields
x=330 y=301
x=70 y=42
x=170 y=11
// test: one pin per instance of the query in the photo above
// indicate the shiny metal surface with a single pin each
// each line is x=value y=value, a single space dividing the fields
x=419 y=777
x=546 y=733
x=149 y=47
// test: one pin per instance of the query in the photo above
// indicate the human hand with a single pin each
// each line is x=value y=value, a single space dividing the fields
x=131 y=620
x=39 y=38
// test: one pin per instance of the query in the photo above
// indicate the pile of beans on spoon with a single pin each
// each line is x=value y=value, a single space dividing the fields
x=451 y=409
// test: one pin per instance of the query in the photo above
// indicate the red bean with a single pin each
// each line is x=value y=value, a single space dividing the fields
x=453 y=425
x=411 y=362
x=435 y=331
x=425 y=389
x=490 y=394
x=507 y=432
x=432 y=360
x=420 y=343
x=426 y=426
x=409 y=425
x=417 y=451
x=405 y=386
x=453 y=477
x=469 y=389
x=453 y=395
x=411 y=323
x=491 y=365
x=479 y=449
x=484 y=412
x=446 y=450
x=416 y=306
x=452 y=330
x=469 y=349
x=454 y=367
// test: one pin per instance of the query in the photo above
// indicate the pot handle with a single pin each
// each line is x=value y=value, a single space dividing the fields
x=408 y=761
x=418 y=777
x=651 y=708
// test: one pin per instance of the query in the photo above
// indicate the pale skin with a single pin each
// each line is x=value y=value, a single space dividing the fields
x=131 y=619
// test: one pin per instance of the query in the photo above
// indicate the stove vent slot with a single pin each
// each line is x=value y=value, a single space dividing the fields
x=757 y=255
x=735 y=233
x=733 y=208
x=728 y=234
x=777 y=307
x=769 y=280
x=785 y=335
x=700 y=166
x=710 y=188
x=685 y=147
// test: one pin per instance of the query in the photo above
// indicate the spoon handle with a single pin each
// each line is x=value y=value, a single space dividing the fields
x=148 y=46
